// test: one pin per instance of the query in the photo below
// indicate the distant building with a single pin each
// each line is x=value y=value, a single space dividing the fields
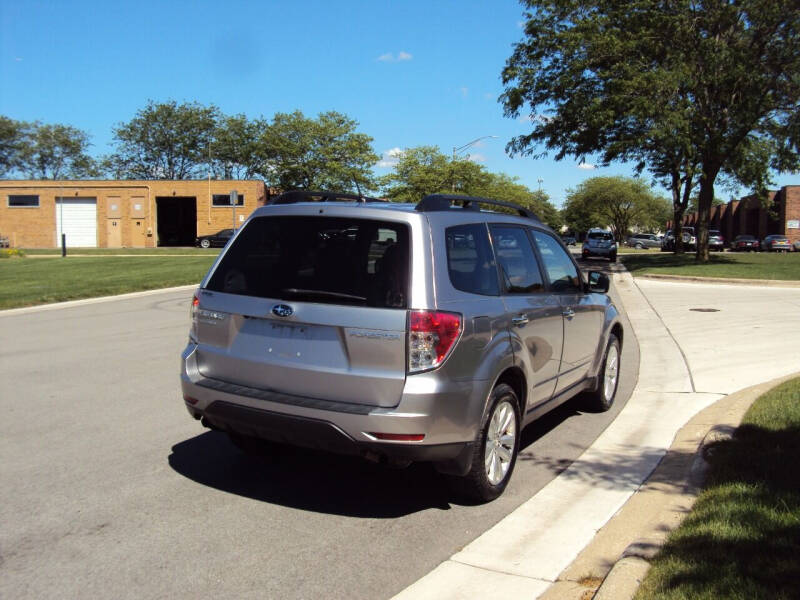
x=780 y=216
x=122 y=214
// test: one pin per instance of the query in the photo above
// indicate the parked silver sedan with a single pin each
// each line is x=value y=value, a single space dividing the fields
x=643 y=240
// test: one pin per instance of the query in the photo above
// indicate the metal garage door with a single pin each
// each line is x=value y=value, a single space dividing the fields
x=78 y=216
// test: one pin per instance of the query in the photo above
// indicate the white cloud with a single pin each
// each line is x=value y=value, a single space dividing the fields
x=390 y=157
x=587 y=166
x=464 y=91
x=521 y=24
x=478 y=158
x=18 y=59
x=390 y=57
x=489 y=96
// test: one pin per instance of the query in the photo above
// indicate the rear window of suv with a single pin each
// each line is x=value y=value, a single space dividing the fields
x=327 y=260
x=599 y=235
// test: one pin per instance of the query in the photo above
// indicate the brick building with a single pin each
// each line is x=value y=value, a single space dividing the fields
x=122 y=214
x=781 y=215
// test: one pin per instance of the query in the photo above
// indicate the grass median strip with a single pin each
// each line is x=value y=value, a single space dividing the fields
x=742 y=538
x=735 y=265
x=27 y=282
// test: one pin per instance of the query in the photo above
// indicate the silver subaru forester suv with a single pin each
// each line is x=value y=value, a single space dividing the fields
x=398 y=332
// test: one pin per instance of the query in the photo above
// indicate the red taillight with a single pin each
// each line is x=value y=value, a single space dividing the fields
x=431 y=335
x=189 y=400
x=399 y=437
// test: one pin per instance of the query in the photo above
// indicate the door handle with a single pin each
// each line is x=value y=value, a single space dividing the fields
x=569 y=313
x=519 y=321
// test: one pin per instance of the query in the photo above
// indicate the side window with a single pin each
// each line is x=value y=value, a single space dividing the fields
x=559 y=267
x=470 y=261
x=518 y=266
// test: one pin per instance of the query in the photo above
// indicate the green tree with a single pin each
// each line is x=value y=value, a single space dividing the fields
x=426 y=170
x=14 y=137
x=504 y=187
x=689 y=88
x=325 y=153
x=164 y=141
x=235 y=152
x=619 y=202
x=55 y=152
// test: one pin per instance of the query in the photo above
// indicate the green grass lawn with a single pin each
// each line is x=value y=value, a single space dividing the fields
x=127 y=251
x=29 y=281
x=737 y=265
x=742 y=538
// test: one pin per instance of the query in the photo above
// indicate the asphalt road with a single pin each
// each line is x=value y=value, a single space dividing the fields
x=109 y=489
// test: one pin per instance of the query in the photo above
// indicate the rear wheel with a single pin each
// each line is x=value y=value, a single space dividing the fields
x=205 y=244
x=613 y=257
x=495 y=454
x=602 y=397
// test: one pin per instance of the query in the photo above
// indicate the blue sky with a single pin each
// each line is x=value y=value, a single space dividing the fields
x=410 y=72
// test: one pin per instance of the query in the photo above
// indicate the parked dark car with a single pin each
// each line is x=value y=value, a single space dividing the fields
x=689 y=240
x=776 y=243
x=715 y=240
x=744 y=243
x=569 y=239
x=643 y=240
x=217 y=240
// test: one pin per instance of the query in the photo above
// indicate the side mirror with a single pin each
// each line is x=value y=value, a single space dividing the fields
x=598 y=282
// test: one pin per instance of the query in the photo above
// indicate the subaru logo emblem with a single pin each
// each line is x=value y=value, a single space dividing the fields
x=281 y=310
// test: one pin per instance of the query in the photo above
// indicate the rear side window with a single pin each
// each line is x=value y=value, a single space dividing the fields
x=318 y=259
x=470 y=261
x=560 y=269
x=518 y=265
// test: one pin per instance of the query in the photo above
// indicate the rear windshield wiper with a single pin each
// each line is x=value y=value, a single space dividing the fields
x=322 y=294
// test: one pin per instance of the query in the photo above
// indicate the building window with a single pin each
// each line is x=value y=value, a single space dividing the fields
x=225 y=200
x=23 y=201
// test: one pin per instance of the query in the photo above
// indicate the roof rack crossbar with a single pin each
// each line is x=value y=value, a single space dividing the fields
x=442 y=202
x=295 y=196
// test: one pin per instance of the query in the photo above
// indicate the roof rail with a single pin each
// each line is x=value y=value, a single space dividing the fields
x=442 y=202
x=307 y=196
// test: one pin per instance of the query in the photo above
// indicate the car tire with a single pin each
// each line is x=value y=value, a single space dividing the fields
x=205 y=244
x=638 y=246
x=602 y=397
x=495 y=452
x=612 y=258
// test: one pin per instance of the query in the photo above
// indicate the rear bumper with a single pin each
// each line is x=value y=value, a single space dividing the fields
x=447 y=413
x=596 y=251
x=318 y=434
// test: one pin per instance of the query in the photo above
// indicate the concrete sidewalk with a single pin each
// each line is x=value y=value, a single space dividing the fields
x=690 y=359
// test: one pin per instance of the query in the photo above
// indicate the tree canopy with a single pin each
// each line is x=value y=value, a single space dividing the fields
x=323 y=153
x=426 y=170
x=687 y=88
x=622 y=203
x=44 y=151
x=164 y=140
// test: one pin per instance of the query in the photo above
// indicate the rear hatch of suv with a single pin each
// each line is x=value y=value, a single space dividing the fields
x=312 y=307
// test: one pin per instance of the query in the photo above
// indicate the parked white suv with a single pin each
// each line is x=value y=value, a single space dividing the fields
x=429 y=332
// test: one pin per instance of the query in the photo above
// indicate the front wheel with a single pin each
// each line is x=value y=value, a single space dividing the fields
x=602 y=397
x=638 y=246
x=495 y=453
x=205 y=244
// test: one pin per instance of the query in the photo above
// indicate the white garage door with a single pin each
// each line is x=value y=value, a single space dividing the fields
x=78 y=217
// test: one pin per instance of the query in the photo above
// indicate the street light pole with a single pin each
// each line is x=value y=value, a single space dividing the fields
x=457 y=149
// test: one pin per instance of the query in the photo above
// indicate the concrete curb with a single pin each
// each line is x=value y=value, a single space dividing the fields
x=719 y=421
x=721 y=280
x=70 y=303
